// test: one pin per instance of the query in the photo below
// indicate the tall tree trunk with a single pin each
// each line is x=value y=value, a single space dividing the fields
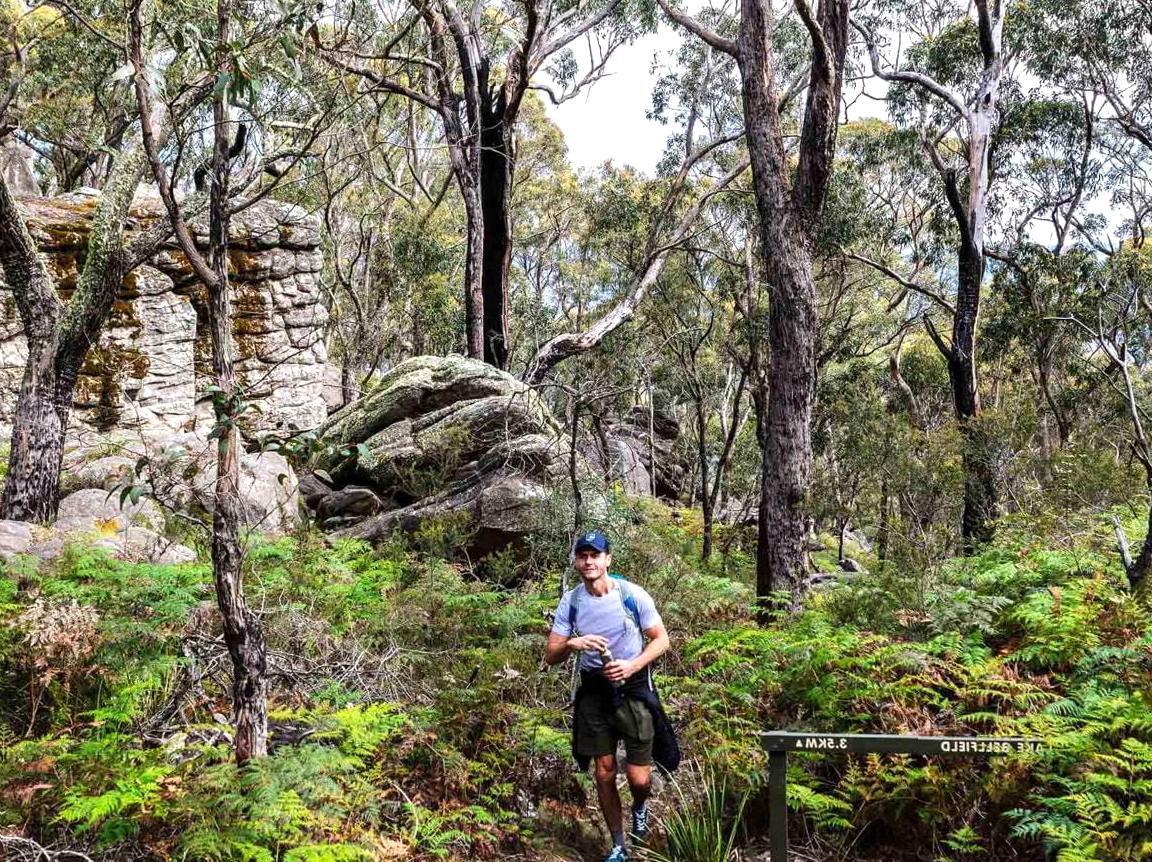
x=243 y=633
x=760 y=398
x=651 y=438
x=980 y=113
x=496 y=167
x=31 y=492
x=788 y=217
x=573 y=473
x=706 y=497
x=979 y=474
x=349 y=391
x=1141 y=568
x=884 y=529
x=58 y=336
x=788 y=456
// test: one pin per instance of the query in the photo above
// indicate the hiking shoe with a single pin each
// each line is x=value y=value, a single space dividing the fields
x=639 y=823
x=618 y=854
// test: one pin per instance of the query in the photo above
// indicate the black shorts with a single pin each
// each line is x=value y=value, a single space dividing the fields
x=599 y=727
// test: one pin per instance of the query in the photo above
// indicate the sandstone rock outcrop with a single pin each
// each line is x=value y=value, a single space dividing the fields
x=628 y=459
x=449 y=434
x=93 y=517
x=152 y=362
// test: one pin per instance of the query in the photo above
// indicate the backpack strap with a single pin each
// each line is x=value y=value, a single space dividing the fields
x=627 y=598
x=573 y=607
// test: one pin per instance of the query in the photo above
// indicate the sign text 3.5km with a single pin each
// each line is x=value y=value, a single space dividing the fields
x=780 y=743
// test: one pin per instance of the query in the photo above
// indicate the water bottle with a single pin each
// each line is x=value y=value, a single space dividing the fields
x=606 y=657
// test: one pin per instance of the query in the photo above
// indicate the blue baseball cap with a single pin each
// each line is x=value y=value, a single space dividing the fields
x=593 y=540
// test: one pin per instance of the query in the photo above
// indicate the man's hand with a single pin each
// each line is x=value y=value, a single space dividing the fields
x=588 y=642
x=620 y=670
x=559 y=646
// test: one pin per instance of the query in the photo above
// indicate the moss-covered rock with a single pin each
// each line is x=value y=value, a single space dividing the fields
x=444 y=435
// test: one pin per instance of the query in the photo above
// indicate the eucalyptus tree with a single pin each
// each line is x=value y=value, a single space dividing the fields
x=952 y=95
x=380 y=185
x=65 y=98
x=789 y=206
x=696 y=359
x=702 y=165
x=261 y=125
x=472 y=68
x=59 y=332
x=1050 y=220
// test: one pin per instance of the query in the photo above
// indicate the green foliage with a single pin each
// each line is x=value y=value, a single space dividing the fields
x=703 y=825
x=459 y=748
x=1095 y=801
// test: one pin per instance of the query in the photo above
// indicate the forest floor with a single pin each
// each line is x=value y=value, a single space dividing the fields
x=410 y=718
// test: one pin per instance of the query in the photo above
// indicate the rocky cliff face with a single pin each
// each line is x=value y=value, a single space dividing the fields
x=154 y=358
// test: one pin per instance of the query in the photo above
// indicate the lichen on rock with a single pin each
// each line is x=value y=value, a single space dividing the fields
x=151 y=361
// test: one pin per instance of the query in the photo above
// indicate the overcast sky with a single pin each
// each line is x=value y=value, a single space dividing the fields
x=608 y=121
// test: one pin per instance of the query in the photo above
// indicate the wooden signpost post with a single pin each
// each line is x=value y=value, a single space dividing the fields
x=779 y=743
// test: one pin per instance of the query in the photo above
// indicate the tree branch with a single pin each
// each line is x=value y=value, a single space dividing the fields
x=197 y=261
x=559 y=348
x=577 y=30
x=903 y=282
x=25 y=272
x=821 y=57
x=923 y=81
x=941 y=345
x=728 y=46
x=379 y=82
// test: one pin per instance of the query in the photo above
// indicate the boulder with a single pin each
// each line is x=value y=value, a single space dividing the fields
x=16 y=537
x=333 y=388
x=268 y=490
x=132 y=532
x=94 y=509
x=103 y=473
x=139 y=544
x=313 y=489
x=443 y=435
x=624 y=455
x=179 y=471
x=182 y=473
x=350 y=502
x=18 y=162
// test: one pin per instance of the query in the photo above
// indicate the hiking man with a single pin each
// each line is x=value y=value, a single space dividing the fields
x=605 y=617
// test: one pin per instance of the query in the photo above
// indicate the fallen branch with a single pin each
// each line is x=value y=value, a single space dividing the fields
x=16 y=848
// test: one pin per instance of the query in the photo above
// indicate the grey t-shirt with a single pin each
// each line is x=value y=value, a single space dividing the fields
x=606 y=616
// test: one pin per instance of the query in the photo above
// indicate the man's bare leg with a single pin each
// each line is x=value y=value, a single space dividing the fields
x=640 y=781
x=609 y=796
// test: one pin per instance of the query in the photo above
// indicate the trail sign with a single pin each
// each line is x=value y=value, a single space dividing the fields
x=780 y=743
